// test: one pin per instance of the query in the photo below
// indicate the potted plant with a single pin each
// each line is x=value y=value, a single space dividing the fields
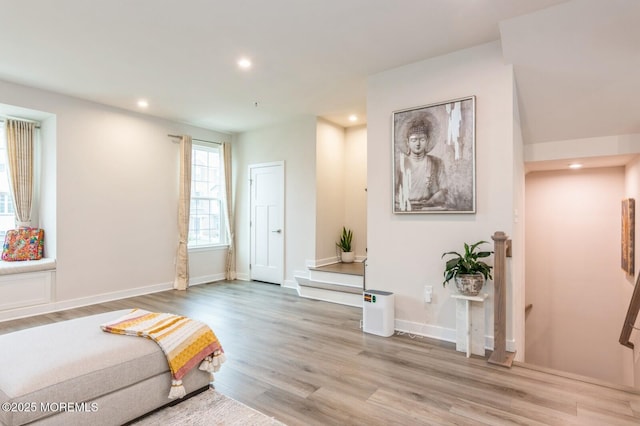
x=346 y=255
x=467 y=270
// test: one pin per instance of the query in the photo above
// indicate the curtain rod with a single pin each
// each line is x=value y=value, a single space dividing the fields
x=199 y=140
x=19 y=119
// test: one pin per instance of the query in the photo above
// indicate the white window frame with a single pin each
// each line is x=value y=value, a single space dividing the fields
x=7 y=210
x=194 y=245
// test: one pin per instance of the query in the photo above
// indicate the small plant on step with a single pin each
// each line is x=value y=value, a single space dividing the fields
x=345 y=240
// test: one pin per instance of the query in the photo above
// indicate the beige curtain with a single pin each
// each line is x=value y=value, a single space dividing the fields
x=181 y=281
x=230 y=268
x=20 y=156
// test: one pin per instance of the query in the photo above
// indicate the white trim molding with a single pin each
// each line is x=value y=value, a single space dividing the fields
x=44 y=308
x=442 y=333
x=83 y=301
x=205 y=279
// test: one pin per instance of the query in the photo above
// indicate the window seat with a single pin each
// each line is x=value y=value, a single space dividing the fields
x=24 y=266
x=26 y=283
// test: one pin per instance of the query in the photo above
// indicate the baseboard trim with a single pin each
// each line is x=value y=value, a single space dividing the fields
x=290 y=284
x=315 y=263
x=83 y=301
x=46 y=308
x=426 y=330
x=442 y=333
x=242 y=276
x=205 y=279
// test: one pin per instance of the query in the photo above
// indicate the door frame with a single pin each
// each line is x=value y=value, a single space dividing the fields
x=280 y=163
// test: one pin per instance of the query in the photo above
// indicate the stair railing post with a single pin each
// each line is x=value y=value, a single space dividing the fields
x=500 y=355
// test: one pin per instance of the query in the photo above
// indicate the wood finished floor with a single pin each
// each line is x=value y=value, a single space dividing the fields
x=355 y=268
x=307 y=362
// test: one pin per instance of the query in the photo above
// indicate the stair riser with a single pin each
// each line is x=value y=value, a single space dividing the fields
x=337 y=279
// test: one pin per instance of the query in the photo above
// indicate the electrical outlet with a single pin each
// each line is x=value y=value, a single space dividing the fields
x=428 y=291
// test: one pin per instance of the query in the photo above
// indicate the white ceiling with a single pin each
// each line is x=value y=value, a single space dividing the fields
x=585 y=163
x=310 y=57
x=577 y=68
x=576 y=62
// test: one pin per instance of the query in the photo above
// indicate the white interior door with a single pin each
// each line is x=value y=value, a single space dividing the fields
x=267 y=222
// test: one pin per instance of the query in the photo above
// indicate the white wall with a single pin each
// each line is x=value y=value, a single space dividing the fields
x=330 y=190
x=341 y=189
x=516 y=298
x=355 y=175
x=405 y=250
x=115 y=197
x=48 y=185
x=294 y=143
x=573 y=274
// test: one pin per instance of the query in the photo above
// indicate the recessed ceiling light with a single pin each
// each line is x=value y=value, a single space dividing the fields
x=575 y=166
x=143 y=103
x=244 y=63
x=353 y=117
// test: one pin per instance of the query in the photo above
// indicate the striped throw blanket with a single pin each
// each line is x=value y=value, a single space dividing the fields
x=185 y=342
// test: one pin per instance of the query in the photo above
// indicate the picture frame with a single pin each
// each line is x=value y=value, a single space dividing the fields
x=628 y=236
x=434 y=158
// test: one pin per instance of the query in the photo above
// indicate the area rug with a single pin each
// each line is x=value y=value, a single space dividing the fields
x=208 y=408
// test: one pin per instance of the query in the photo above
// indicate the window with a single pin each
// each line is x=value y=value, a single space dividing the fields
x=206 y=220
x=7 y=216
x=6 y=202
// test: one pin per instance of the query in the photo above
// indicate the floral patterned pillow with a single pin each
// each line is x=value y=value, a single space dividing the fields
x=23 y=244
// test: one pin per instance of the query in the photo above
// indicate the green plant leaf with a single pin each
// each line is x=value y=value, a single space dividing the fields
x=345 y=240
x=467 y=263
x=452 y=253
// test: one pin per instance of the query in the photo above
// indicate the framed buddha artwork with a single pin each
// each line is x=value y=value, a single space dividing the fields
x=434 y=158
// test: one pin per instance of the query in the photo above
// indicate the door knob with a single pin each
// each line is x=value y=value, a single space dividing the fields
x=279 y=231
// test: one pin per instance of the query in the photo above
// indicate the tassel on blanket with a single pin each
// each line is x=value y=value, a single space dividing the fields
x=177 y=390
x=212 y=363
x=206 y=365
x=218 y=359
